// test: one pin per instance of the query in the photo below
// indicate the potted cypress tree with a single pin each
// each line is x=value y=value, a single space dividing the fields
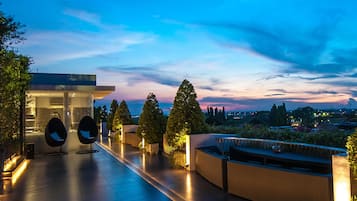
x=151 y=124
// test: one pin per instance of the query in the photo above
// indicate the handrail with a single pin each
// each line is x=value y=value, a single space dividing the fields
x=224 y=144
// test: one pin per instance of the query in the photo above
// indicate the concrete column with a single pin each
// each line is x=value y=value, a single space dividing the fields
x=66 y=112
x=91 y=105
x=341 y=178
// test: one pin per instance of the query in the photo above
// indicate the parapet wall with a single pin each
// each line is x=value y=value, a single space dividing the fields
x=259 y=183
x=210 y=167
x=129 y=135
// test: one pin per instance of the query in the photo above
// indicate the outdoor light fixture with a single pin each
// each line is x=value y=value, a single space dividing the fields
x=188 y=158
x=19 y=171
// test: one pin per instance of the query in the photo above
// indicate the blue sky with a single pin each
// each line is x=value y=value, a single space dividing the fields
x=241 y=54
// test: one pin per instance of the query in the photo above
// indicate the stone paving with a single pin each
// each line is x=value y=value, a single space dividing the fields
x=116 y=172
x=179 y=184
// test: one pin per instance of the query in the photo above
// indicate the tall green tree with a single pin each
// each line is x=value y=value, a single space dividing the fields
x=100 y=114
x=10 y=32
x=216 y=116
x=113 y=109
x=15 y=78
x=13 y=83
x=186 y=115
x=274 y=116
x=122 y=116
x=152 y=121
x=278 y=115
x=306 y=115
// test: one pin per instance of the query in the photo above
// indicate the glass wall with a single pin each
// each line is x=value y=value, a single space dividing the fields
x=81 y=105
x=70 y=107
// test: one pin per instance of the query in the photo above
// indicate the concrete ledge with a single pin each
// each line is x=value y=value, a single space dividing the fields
x=260 y=183
x=210 y=167
x=132 y=139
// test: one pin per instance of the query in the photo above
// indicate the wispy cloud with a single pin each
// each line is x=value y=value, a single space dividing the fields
x=343 y=83
x=271 y=95
x=144 y=74
x=321 y=92
x=303 y=49
x=83 y=15
x=48 y=47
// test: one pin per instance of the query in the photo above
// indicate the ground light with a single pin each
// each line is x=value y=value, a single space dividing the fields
x=12 y=172
x=187 y=151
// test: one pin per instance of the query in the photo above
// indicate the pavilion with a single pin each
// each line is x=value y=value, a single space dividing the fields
x=68 y=97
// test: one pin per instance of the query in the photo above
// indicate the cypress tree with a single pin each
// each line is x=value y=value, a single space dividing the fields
x=274 y=115
x=110 y=118
x=186 y=115
x=151 y=122
x=122 y=116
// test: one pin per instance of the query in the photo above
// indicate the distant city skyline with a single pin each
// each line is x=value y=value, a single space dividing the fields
x=244 y=55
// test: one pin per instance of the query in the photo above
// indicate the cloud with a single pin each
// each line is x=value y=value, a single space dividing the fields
x=84 y=16
x=321 y=92
x=278 y=44
x=316 y=92
x=342 y=83
x=279 y=90
x=274 y=95
x=311 y=77
x=143 y=74
x=304 y=49
x=47 y=47
x=354 y=93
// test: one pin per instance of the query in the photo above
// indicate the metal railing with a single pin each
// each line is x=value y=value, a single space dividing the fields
x=224 y=144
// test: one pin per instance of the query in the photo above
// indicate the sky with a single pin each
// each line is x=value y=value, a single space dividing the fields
x=245 y=55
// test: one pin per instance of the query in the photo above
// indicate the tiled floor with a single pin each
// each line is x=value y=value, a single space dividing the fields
x=177 y=183
x=81 y=177
x=116 y=172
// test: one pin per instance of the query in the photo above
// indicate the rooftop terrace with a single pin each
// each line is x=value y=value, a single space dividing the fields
x=116 y=172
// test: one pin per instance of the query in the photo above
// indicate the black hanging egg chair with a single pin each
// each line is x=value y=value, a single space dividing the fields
x=55 y=133
x=87 y=132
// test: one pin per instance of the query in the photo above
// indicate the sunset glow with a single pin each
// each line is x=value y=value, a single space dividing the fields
x=244 y=55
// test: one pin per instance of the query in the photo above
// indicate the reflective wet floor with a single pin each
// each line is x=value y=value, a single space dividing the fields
x=81 y=177
x=116 y=172
x=179 y=184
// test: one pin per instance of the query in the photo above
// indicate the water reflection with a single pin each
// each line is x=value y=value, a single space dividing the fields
x=109 y=142
x=143 y=161
x=121 y=150
x=188 y=185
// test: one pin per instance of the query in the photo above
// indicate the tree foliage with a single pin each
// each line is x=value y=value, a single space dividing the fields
x=305 y=115
x=215 y=116
x=15 y=78
x=351 y=146
x=113 y=109
x=100 y=114
x=186 y=114
x=152 y=121
x=122 y=116
x=278 y=115
x=10 y=32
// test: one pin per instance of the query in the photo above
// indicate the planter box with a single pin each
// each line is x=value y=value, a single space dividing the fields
x=178 y=159
x=152 y=148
